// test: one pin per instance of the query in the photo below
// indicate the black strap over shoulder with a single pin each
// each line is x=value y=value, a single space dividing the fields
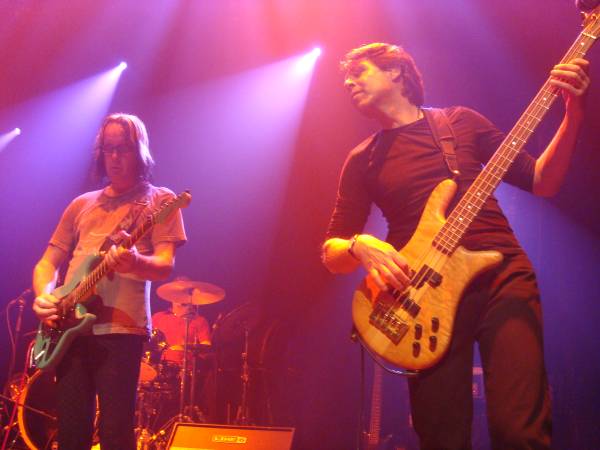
x=128 y=222
x=443 y=136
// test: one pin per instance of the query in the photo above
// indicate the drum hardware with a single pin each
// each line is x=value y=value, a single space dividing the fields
x=27 y=407
x=230 y=328
x=194 y=293
x=233 y=325
x=152 y=393
x=241 y=418
x=152 y=355
x=184 y=373
x=154 y=385
x=36 y=412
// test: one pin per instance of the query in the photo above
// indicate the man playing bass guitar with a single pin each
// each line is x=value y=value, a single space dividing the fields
x=397 y=169
x=106 y=362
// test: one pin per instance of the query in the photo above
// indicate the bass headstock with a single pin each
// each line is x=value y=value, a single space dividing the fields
x=590 y=11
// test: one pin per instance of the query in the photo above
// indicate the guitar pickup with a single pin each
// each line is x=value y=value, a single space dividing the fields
x=427 y=275
x=435 y=279
x=388 y=323
x=410 y=307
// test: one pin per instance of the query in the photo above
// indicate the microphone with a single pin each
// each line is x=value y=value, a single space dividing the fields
x=19 y=299
x=586 y=5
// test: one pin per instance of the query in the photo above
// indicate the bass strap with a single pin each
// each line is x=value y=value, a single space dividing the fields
x=444 y=137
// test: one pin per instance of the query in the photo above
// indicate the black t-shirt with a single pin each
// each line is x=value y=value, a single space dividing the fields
x=400 y=170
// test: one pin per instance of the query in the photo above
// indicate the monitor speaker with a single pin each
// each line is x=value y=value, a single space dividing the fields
x=196 y=436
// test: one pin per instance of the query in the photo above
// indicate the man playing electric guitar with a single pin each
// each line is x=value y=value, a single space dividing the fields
x=106 y=362
x=398 y=169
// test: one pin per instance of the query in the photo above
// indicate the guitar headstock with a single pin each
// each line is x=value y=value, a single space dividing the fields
x=591 y=16
x=181 y=201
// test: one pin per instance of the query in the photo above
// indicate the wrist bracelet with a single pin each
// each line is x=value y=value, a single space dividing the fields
x=351 y=247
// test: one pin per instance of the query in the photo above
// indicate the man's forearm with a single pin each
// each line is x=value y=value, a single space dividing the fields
x=153 y=267
x=44 y=277
x=552 y=165
x=337 y=258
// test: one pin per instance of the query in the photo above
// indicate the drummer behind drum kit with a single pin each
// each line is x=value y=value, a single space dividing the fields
x=162 y=380
x=166 y=389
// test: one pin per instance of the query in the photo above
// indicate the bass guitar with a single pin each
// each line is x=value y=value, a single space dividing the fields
x=76 y=297
x=412 y=329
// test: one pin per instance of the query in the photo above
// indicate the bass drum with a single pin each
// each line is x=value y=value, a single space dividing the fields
x=38 y=431
x=39 y=426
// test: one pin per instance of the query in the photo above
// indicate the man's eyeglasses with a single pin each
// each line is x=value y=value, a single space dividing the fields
x=119 y=149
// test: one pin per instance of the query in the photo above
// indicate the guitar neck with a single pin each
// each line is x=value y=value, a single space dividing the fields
x=488 y=180
x=103 y=268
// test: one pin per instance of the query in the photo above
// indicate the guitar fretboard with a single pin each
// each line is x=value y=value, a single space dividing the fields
x=89 y=281
x=488 y=180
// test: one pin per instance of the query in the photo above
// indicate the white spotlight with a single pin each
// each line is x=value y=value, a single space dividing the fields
x=122 y=66
x=17 y=131
x=306 y=62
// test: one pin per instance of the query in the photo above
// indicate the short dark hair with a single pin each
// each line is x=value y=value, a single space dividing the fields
x=138 y=137
x=389 y=56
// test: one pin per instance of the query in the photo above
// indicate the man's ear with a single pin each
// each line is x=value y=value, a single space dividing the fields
x=395 y=74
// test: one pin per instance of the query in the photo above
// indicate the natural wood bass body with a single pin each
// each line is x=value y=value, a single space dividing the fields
x=423 y=332
x=413 y=329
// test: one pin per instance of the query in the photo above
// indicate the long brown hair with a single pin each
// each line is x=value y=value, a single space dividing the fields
x=138 y=137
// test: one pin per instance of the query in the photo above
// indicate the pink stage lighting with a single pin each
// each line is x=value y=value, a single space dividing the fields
x=306 y=62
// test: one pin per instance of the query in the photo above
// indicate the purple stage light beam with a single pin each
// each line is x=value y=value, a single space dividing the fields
x=61 y=126
x=237 y=136
x=6 y=138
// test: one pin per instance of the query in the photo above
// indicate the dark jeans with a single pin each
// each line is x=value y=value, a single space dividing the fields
x=502 y=312
x=107 y=366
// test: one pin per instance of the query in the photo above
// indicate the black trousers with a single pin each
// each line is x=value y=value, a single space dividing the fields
x=501 y=311
x=107 y=366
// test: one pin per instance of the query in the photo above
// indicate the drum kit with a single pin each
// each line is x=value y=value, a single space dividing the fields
x=162 y=380
x=167 y=389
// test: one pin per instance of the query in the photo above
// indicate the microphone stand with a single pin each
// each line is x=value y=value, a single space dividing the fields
x=20 y=301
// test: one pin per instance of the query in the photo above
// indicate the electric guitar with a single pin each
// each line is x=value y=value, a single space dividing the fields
x=412 y=329
x=78 y=295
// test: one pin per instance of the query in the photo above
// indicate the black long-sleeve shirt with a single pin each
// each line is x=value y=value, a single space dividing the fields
x=400 y=168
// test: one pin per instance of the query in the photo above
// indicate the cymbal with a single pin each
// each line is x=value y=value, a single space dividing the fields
x=190 y=292
x=197 y=347
x=235 y=323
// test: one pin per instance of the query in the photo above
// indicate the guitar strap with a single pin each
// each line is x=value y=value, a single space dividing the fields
x=377 y=148
x=444 y=137
x=128 y=222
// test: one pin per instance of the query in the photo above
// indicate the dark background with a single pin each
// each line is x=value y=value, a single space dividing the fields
x=261 y=155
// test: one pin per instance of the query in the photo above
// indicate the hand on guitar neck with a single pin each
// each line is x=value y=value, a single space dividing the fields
x=573 y=79
x=122 y=258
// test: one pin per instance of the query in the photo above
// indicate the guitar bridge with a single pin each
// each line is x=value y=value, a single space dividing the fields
x=386 y=321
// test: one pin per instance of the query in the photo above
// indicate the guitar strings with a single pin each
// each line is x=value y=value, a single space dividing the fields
x=537 y=110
